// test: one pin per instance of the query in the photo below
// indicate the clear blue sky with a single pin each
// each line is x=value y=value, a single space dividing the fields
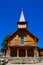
x=10 y=13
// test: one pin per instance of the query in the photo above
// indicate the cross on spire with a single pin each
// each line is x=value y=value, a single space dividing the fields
x=22 y=18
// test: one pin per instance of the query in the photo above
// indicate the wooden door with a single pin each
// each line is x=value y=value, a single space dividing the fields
x=22 y=53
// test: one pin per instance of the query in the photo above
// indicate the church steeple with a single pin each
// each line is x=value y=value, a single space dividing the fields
x=22 y=24
x=22 y=18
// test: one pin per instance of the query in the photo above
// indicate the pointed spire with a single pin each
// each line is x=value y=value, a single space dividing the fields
x=22 y=18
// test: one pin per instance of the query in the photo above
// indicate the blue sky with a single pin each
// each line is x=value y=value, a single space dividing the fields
x=10 y=11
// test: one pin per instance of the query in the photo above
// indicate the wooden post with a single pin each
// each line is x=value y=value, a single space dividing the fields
x=34 y=53
x=26 y=53
x=8 y=52
x=17 y=52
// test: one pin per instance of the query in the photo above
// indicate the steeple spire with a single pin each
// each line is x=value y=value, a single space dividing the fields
x=22 y=18
x=22 y=24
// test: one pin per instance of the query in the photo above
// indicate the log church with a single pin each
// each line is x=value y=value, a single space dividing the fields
x=23 y=43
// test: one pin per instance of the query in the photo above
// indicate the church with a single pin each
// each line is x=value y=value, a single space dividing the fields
x=23 y=43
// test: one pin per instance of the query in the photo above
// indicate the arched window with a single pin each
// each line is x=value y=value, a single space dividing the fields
x=22 y=39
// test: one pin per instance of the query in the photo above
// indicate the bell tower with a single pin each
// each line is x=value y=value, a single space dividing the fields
x=22 y=24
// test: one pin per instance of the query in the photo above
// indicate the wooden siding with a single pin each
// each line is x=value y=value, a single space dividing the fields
x=17 y=41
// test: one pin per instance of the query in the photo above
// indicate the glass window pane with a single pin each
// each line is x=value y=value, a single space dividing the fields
x=22 y=39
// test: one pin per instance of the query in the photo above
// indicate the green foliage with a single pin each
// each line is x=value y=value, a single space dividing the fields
x=4 y=63
x=6 y=37
x=0 y=50
x=16 y=62
x=4 y=43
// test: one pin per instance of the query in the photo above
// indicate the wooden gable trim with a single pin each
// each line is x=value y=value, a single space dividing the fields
x=12 y=36
x=33 y=36
x=24 y=32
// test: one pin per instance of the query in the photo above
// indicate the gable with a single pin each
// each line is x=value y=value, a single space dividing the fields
x=29 y=39
x=24 y=32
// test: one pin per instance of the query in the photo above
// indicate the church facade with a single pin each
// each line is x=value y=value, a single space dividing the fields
x=23 y=43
